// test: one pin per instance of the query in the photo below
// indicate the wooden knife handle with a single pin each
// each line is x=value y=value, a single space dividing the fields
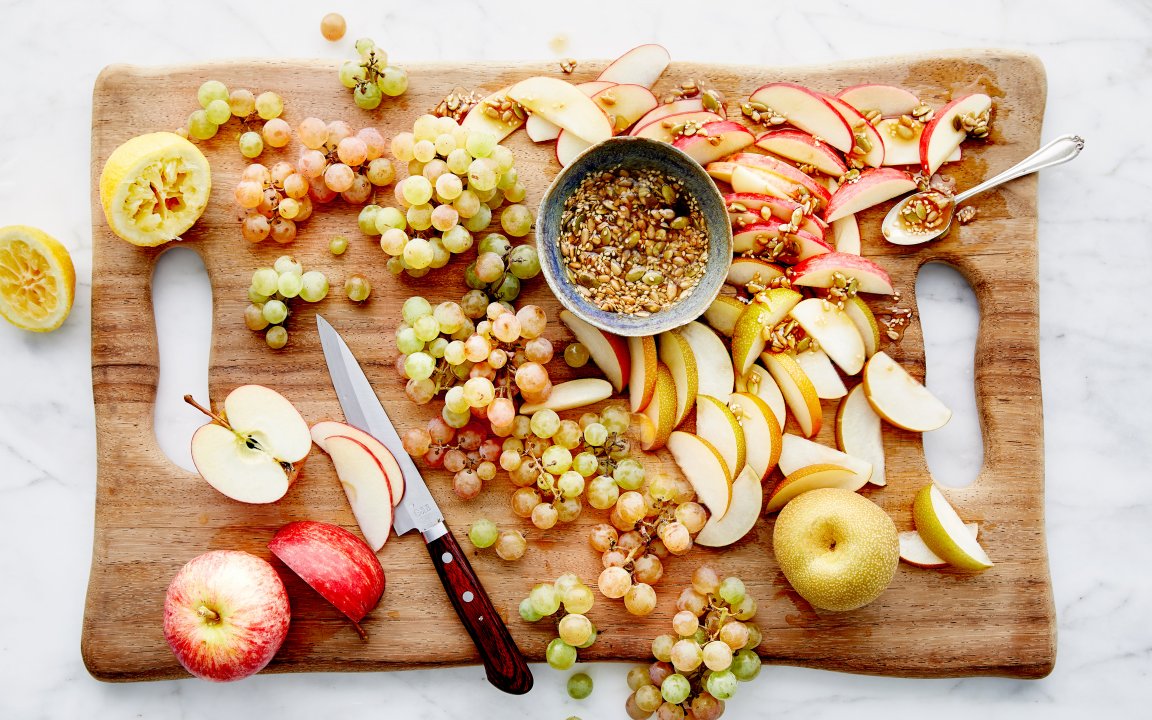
x=503 y=662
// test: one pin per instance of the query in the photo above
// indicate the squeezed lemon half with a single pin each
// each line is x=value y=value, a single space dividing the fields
x=154 y=187
x=37 y=280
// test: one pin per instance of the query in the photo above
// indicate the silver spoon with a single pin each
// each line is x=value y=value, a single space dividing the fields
x=899 y=231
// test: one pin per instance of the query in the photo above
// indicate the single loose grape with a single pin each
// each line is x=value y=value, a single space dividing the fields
x=516 y=220
x=483 y=533
x=357 y=288
x=332 y=26
x=579 y=686
x=560 y=655
x=276 y=133
x=511 y=545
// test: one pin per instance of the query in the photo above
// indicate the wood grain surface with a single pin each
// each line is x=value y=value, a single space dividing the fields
x=151 y=516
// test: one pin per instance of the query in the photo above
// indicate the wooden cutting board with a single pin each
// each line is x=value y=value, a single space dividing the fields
x=152 y=517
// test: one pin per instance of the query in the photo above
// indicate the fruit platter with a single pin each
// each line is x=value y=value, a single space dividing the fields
x=749 y=486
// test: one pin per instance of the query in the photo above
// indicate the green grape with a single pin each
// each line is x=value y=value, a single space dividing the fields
x=731 y=590
x=275 y=311
x=367 y=96
x=508 y=180
x=474 y=303
x=402 y=144
x=595 y=434
x=566 y=582
x=516 y=220
x=560 y=655
x=251 y=144
x=264 y=281
x=448 y=187
x=629 y=474
x=418 y=253
x=578 y=599
x=426 y=328
x=545 y=423
x=419 y=366
x=393 y=81
x=457 y=239
x=445 y=143
x=458 y=161
x=720 y=685
x=455 y=419
x=200 y=127
x=419 y=217
x=571 y=483
x=289 y=284
x=616 y=419
x=545 y=600
x=417 y=190
x=494 y=243
x=579 y=686
x=389 y=218
x=467 y=205
x=352 y=72
x=407 y=342
x=218 y=111
x=603 y=492
x=480 y=144
x=393 y=242
x=483 y=533
x=276 y=337
x=314 y=286
x=211 y=90
x=556 y=459
x=508 y=289
x=482 y=175
x=527 y=613
x=287 y=263
x=516 y=193
x=424 y=151
x=524 y=262
x=450 y=316
x=675 y=688
x=380 y=171
x=367 y=219
x=436 y=347
x=745 y=665
x=415 y=308
x=480 y=220
x=365 y=47
x=503 y=158
x=338 y=245
x=269 y=105
x=357 y=288
x=455 y=401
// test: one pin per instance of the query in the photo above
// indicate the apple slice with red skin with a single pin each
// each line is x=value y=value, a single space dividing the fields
x=478 y=118
x=623 y=104
x=664 y=129
x=321 y=431
x=748 y=208
x=888 y=100
x=798 y=146
x=846 y=235
x=874 y=156
x=642 y=65
x=819 y=271
x=563 y=104
x=790 y=173
x=723 y=313
x=754 y=238
x=714 y=141
x=642 y=378
x=334 y=563
x=673 y=108
x=365 y=482
x=572 y=394
x=808 y=110
x=897 y=150
x=942 y=135
x=745 y=270
x=872 y=187
x=608 y=350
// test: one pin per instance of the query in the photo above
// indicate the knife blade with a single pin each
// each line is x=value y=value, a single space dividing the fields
x=417 y=510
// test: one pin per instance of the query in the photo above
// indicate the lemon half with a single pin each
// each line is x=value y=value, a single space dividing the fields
x=37 y=280
x=154 y=187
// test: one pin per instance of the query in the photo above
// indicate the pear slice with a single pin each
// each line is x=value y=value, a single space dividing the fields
x=572 y=394
x=797 y=389
x=759 y=316
x=797 y=452
x=846 y=235
x=914 y=552
x=865 y=320
x=899 y=398
x=713 y=363
x=676 y=353
x=562 y=103
x=705 y=469
x=834 y=330
x=723 y=313
x=743 y=512
x=758 y=381
x=858 y=432
x=719 y=426
x=642 y=382
x=659 y=416
x=762 y=436
x=819 y=368
x=812 y=477
x=944 y=533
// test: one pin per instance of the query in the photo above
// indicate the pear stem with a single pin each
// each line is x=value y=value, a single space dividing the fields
x=207 y=613
x=216 y=418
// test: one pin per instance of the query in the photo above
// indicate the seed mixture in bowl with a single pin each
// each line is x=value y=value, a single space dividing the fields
x=633 y=241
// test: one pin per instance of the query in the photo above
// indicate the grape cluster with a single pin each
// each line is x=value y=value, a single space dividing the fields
x=273 y=201
x=271 y=290
x=646 y=524
x=567 y=602
x=467 y=452
x=259 y=117
x=370 y=77
x=713 y=648
x=509 y=544
x=456 y=179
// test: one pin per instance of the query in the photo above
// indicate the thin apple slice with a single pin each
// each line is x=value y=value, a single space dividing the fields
x=569 y=147
x=659 y=417
x=812 y=477
x=756 y=238
x=676 y=107
x=366 y=485
x=607 y=350
x=819 y=368
x=900 y=398
x=869 y=147
x=748 y=336
x=625 y=104
x=642 y=379
x=541 y=130
x=914 y=551
x=872 y=187
x=723 y=313
x=820 y=271
x=746 y=180
x=944 y=133
x=487 y=118
x=834 y=331
x=704 y=468
x=781 y=169
x=719 y=426
x=676 y=353
x=321 y=431
x=713 y=363
x=762 y=435
x=798 y=391
x=888 y=100
x=714 y=141
x=807 y=110
x=865 y=320
x=563 y=104
x=899 y=150
x=572 y=394
x=642 y=65
x=798 y=146
x=743 y=512
x=750 y=208
x=846 y=235
x=667 y=129
x=945 y=533
x=858 y=432
x=759 y=382
x=798 y=452
x=749 y=270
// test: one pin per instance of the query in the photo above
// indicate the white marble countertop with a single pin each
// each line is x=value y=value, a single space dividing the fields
x=1094 y=237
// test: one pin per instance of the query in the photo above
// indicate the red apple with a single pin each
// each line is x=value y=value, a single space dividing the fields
x=874 y=186
x=874 y=156
x=673 y=108
x=781 y=169
x=226 y=614
x=715 y=140
x=607 y=350
x=642 y=65
x=662 y=129
x=944 y=134
x=799 y=146
x=807 y=110
x=747 y=208
x=820 y=271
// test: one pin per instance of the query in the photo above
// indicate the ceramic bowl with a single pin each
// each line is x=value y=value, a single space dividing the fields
x=637 y=153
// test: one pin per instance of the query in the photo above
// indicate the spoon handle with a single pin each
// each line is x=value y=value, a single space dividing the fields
x=1060 y=150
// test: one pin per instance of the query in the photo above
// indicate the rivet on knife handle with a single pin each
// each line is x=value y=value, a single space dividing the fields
x=503 y=662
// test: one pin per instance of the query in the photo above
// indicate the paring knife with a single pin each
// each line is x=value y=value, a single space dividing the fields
x=503 y=662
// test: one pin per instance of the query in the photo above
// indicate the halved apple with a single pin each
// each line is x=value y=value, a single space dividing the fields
x=714 y=141
x=820 y=271
x=834 y=330
x=642 y=65
x=858 y=432
x=869 y=147
x=743 y=512
x=872 y=187
x=900 y=398
x=797 y=389
x=888 y=100
x=944 y=532
x=846 y=235
x=819 y=368
x=642 y=380
x=799 y=146
x=812 y=477
x=321 y=431
x=704 y=468
x=675 y=107
x=607 y=350
x=563 y=104
x=485 y=118
x=659 y=416
x=713 y=363
x=676 y=353
x=797 y=452
x=749 y=270
x=914 y=551
x=572 y=394
x=719 y=426
x=866 y=323
x=944 y=133
x=723 y=313
x=665 y=128
x=759 y=382
x=750 y=208
x=366 y=485
x=807 y=110
x=748 y=336
x=762 y=434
